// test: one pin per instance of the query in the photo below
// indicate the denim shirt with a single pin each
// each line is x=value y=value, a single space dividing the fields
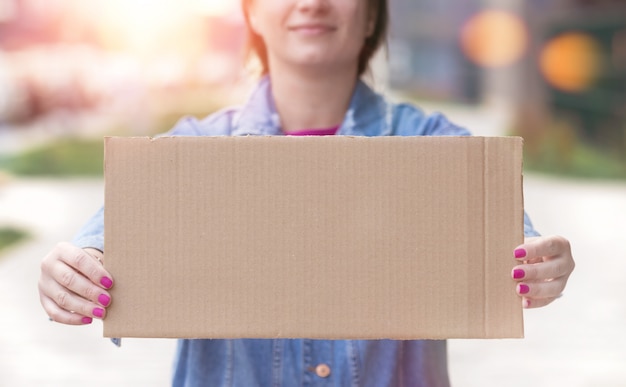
x=303 y=362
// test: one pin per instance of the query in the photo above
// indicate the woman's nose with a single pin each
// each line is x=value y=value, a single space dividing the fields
x=313 y=5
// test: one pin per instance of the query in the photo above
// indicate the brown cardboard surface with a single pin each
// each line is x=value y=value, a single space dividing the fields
x=313 y=237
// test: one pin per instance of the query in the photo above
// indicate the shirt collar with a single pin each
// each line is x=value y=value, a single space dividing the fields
x=368 y=113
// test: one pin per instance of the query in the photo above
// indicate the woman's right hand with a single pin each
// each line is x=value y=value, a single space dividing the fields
x=73 y=283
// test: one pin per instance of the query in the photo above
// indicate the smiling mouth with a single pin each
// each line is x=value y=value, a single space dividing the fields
x=312 y=29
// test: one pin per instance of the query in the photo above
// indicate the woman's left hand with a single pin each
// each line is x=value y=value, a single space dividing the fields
x=546 y=264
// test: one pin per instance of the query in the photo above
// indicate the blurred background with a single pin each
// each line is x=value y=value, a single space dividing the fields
x=552 y=71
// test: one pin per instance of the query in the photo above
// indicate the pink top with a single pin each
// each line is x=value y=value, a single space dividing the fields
x=314 y=132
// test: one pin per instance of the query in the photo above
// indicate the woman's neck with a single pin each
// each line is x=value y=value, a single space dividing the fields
x=308 y=100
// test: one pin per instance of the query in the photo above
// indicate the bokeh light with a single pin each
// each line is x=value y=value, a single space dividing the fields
x=571 y=61
x=494 y=38
x=216 y=7
x=143 y=27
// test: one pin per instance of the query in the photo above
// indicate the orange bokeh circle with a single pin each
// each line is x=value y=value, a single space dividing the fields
x=494 y=38
x=571 y=61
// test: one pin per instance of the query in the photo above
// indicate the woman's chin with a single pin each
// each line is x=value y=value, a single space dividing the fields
x=323 y=63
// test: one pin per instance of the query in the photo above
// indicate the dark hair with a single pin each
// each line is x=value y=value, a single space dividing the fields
x=256 y=45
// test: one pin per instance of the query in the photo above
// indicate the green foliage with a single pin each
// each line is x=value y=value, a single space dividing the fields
x=80 y=157
x=559 y=151
x=67 y=157
x=9 y=236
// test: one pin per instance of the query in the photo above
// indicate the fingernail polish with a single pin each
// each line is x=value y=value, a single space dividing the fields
x=520 y=253
x=523 y=289
x=527 y=303
x=106 y=282
x=87 y=320
x=98 y=312
x=104 y=300
x=517 y=274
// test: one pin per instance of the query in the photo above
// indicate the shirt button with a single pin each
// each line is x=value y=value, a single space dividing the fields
x=322 y=370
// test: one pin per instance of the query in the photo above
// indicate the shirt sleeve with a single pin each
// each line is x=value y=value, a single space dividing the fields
x=92 y=233
x=438 y=125
x=529 y=229
x=410 y=120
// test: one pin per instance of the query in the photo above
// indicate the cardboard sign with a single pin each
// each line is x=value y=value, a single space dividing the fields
x=313 y=237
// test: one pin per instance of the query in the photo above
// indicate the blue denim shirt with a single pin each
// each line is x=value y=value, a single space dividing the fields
x=288 y=362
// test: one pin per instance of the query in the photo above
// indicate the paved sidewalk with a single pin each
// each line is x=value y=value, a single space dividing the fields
x=580 y=341
x=35 y=351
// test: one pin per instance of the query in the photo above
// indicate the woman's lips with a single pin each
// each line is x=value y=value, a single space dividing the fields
x=312 y=29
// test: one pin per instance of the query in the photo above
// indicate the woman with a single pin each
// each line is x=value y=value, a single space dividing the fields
x=313 y=53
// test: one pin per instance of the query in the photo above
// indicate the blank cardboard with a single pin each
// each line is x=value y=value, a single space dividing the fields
x=313 y=237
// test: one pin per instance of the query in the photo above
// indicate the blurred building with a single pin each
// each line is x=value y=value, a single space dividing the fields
x=24 y=23
x=75 y=55
x=547 y=59
x=48 y=60
x=425 y=57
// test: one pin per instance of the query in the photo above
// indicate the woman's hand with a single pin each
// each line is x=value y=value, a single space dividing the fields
x=546 y=265
x=73 y=283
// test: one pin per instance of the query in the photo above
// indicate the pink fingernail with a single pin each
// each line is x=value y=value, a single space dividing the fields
x=517 y=274
x=98 y=312
x=527 y=303
x=104 y=300
x=520 y=253
x=106 y=282
x=87 y=320
x=523 y=289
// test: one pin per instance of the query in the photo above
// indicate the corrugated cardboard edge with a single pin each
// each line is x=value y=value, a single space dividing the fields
x=493 y=189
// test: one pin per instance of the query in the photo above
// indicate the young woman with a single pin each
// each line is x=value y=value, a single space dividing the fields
x=313 y=53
